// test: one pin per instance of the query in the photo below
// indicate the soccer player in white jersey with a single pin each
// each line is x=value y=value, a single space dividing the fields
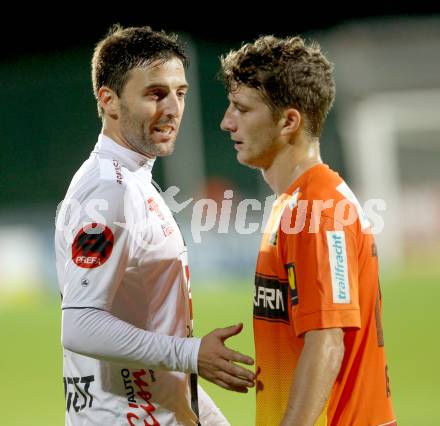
x=129 y=354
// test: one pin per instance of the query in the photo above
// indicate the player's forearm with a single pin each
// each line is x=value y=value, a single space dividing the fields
x=99 y=334
x=314 y=376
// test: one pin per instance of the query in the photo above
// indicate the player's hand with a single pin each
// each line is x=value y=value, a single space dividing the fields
x=216 y=362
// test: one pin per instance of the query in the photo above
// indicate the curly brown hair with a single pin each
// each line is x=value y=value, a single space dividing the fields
x=287 y=73
x=126 y=48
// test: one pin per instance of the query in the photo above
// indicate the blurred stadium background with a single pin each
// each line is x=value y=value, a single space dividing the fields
x=383 y=136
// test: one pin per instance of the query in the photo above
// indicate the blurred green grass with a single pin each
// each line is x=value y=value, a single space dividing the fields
x=31 y=390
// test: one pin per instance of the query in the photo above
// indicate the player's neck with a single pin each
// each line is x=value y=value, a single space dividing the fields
x=117 y=137
x=291 y=164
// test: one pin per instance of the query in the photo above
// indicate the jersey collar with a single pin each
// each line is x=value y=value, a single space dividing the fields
x=130 y=159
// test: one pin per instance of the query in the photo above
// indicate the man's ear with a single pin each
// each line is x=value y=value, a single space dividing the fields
x=291 y=121
x=108 y=101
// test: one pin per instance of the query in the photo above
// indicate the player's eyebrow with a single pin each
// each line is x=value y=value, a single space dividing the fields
x=237 y=102
x=184 y=86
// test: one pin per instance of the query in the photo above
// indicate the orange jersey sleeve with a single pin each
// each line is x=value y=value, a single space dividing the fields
x=326 y=277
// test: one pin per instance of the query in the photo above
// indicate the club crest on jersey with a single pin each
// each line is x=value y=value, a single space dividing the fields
x=92 y=246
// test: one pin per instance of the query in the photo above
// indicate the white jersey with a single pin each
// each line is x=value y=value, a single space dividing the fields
x=122 y=262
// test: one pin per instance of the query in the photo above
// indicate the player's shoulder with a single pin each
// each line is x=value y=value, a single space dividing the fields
x=326 y=186
x=113 y=171
x=100 y=176
x=322 y=183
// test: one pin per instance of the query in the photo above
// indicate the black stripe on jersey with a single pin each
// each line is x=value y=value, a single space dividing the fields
x=194 y=396
x=271 y=299
x=378 y=315
x=294 y=299
x=83 y=307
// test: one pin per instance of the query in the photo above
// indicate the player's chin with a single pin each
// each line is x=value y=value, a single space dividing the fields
x=164 y=149
x=246 y=160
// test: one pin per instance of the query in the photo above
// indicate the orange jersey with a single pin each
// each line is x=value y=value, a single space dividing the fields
x=317 y=268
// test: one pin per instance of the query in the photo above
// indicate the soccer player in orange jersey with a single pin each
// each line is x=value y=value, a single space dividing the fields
x=317 y=302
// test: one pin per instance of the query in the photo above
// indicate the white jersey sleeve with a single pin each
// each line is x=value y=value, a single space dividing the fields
x=95 y=241
x=96 y=235
x=99 y=334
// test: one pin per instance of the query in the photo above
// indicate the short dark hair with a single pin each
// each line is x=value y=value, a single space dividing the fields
x=126 y=48
x=288 y=73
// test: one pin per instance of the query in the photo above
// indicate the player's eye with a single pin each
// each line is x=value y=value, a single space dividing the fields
x=156 y=94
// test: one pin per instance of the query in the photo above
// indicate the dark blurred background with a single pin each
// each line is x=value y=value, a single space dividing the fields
x=48 y=120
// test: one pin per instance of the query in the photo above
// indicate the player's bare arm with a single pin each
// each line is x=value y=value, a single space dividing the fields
x=314 y=377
